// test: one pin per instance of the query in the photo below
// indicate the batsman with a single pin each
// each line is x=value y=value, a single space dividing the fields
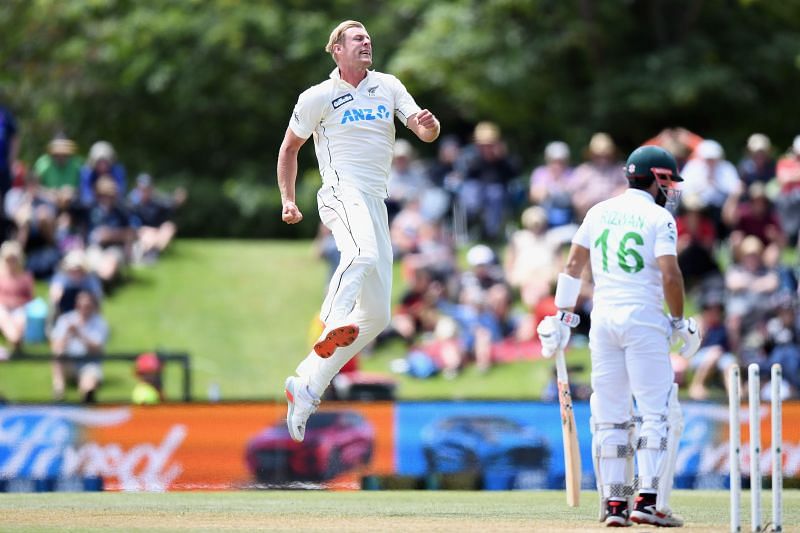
x=629 y=242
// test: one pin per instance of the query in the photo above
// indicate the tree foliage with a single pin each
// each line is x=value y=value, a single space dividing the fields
x=203 y=88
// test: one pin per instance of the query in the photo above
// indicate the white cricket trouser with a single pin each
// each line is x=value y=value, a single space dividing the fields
x=361 y=288
x=630 y=355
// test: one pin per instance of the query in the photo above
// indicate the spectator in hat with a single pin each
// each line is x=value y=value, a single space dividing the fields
x=16 y=290
x=754 y=216
x=110 y=234
x=713 y=178
x=60 y=168
x=484 y=271
x=750 y=285
x=149 y=387
x=551 y=183
x=788 y=201
x=71 y=278
x=102 y=161
x=758 y=164
x=152 y=217
x=598 y=178
x=530 y=261
x=488 y=169
x=77 y=334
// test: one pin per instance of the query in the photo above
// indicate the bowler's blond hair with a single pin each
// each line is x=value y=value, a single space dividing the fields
x=337 y=35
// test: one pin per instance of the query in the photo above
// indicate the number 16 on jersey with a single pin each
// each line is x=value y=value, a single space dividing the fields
x=569 y=432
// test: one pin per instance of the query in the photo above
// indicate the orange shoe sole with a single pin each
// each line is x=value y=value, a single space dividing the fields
x=336 y=338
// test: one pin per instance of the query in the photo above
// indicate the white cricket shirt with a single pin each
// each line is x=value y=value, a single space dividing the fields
x=625 y=235
x=353 y=128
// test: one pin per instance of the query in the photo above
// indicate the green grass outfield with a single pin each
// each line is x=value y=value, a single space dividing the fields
x=293 y=511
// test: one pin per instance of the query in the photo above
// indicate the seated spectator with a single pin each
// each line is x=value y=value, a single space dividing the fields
x=404 y=228
x=416 y=312
x=149 y=388
x=551 y=184
x=34 y=210
x=488 y=169
x=433 y=251
x=758 y=165
x=407 y=178
x=444 y=171
x=756 y=217
x=783 y=341
x=110 y=234
x=72 y=278
x=483 y=269
x=60 y=168
x=697 y=239
x=530 y=262
x=76 y=334
x=102 y=161
x=712 y=178
x=505 y=329
x=788 y=201
x=600 y=177
x=151 y=215
x=750 y=285
x=16 y=290
x=714 y=357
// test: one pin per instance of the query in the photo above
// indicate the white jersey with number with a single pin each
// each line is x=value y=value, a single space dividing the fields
x=625 y=235
x=353 y=128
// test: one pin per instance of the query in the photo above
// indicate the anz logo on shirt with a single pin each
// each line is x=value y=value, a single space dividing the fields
x=356 y=115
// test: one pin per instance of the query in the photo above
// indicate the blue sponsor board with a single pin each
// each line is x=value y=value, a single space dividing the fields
x=519 y=444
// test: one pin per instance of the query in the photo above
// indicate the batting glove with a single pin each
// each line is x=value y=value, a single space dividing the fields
x=686 y=331
x=554 y=332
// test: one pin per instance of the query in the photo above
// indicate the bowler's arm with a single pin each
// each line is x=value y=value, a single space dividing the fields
x=425 y=125
x=287 y=176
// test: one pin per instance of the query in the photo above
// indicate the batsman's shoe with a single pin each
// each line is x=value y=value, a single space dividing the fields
x=302 y=404
x=644 y=512
x=617 y=514
x=337 y=337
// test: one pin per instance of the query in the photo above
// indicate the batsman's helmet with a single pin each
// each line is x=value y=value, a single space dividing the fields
x=652 y=163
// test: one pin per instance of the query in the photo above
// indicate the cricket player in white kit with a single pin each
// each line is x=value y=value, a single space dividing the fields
x=630 y=243
x=351 y=117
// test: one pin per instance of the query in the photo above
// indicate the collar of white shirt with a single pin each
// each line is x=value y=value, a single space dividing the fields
x=643 y=194
x=334 y=75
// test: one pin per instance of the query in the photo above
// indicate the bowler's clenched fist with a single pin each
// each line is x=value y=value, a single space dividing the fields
x=426 y=119
x=291 y=213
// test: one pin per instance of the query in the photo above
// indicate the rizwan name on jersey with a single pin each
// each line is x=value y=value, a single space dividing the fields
x=617 y=218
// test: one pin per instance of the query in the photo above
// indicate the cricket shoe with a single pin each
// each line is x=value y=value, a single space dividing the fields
x=337 y=337
x=617 y=514
x=644 y=512
x=302 y=404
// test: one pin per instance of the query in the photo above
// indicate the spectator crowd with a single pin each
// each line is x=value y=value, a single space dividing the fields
x=738 y=225
x=479 y=240
x=75 y=224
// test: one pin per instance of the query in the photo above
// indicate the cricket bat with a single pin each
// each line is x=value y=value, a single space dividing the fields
x=572 y=455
